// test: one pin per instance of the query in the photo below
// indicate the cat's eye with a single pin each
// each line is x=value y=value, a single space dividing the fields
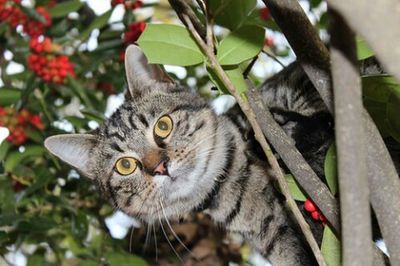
x=126 y=165
x=163 y=127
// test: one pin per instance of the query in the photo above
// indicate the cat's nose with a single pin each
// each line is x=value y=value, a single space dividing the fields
x=161 y=168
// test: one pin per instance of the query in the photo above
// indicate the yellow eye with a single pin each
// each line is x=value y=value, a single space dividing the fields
x=126 y=165
x=163 y=127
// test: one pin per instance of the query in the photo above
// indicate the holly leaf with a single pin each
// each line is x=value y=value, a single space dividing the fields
x=382 y=99
x=63 y=9
x=330 y=169
x=235 y=75
x=97 y=23
x=330 y=248
x=9 y=96
x=363 y=50
x=169 y=44
x=231 y=13
x=241 y=45
x=122 y=259
x=14 y=158
x=392 y=114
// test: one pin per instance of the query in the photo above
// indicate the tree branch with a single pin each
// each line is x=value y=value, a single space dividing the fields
x=182 y=7
x=208 y=51
x=384 y=184
x=293 y=159
x=311 y=53
x=350 y=143
x=380 y=32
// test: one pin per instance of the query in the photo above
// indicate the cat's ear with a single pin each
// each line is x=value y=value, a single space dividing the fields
x=139 y=73
x=73 y=149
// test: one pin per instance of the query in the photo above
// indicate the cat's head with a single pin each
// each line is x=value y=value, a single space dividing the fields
x=156 y=151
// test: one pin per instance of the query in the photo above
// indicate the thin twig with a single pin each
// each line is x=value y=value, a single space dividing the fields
x=181 y=7
x=273 y=57
x=249 y=67
x=244 y=105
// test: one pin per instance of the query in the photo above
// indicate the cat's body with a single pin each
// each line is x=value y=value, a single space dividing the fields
x=165 y=153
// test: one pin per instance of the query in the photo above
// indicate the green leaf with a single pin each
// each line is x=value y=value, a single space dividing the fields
x=378 y=87
x=63 y=9
x=36 y=260
x=377 y=111
x=10 y=219
x=231 y=13
x=93 y=115
x=234 y=74
x=97 y=23
x=241 y=45
x=363 y=50
x=37 y=224
x=15 y=158
x=79 y=91
x=41 y=181
x=382 y=99
x=330 y=169
x=330 y=248
x=4 y=148
x=124 y=259
x=80 y=225
x=169 y=44
x=7 y=197
x=393 y=115
x=295 y=189
x=9 y=96
x=31 y=12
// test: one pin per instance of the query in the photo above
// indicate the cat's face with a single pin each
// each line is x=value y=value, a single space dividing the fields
x=154 y=157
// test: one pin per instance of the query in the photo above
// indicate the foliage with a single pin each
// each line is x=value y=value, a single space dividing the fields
x=64 y=87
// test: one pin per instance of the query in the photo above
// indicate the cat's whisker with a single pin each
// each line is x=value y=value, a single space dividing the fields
x=173 y=232
x=147 y=240
x=201 y=141
x=169 y=242
x=131 y=238
x=155 y=240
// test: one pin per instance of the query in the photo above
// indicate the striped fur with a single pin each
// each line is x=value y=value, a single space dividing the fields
x=211 y=164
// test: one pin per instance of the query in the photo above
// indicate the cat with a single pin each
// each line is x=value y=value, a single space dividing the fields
x=165 y=153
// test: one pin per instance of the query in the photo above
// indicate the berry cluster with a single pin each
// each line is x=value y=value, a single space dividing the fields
x=11 y=13
x=132 y=35
x=18 y=122
x=134 y=31
x=316 y=214
x=50 y=67
x=128 y=4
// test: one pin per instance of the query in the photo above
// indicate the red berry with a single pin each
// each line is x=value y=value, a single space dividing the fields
x=322 y=219
x=265 y=14
x=309 y=206
x=315 y=215
x=36 y=121
x=269 y=41
x=134 y=31
x=137 y=4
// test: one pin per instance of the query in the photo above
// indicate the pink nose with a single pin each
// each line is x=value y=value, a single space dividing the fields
x=161 y=169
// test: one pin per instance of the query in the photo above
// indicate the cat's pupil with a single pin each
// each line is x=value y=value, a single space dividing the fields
x=126 y=164
x=162 y=125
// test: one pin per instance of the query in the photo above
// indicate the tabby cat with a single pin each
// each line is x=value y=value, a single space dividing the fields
x=165 y=153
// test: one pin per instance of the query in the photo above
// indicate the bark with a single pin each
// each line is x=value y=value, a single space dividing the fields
x=293 y=159
x=350 y=144
x=311 y=53
x=379 y=25
x=384 y=184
